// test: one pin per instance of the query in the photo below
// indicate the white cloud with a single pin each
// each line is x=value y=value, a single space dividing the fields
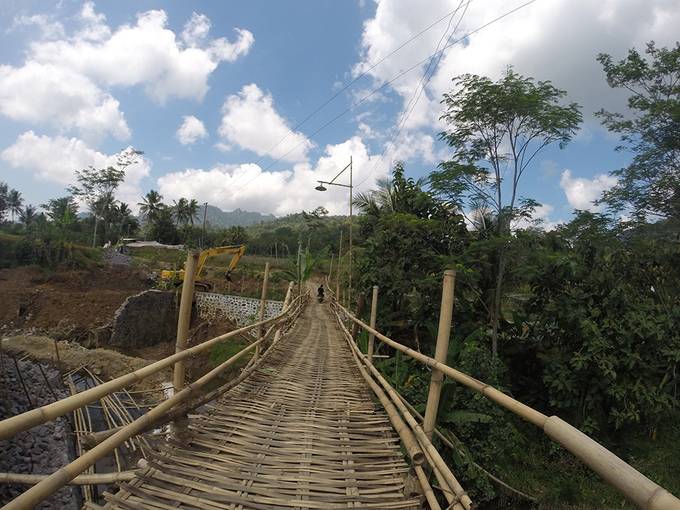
x=249 y=187
x=55 y=160
x=146 y=53
x=556 y=40
x=48 y=28
x=49 y=94
x=582 y=192
x=250 y=121
x=191 y=130
x=65 y=81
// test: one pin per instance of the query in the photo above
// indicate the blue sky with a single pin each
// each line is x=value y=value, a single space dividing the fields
x=206 y=89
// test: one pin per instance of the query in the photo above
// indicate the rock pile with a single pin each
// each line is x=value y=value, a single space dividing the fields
x=43 y=449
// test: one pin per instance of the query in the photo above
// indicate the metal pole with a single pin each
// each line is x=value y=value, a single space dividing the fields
x=184 y=316
x=374 y=316
x=205 y=214
x=441 y=351
x=349 y=287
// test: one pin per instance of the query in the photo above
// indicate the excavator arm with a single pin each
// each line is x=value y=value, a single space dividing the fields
x=237 y=250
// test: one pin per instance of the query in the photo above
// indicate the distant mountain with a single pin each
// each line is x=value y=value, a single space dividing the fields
x=216 y=217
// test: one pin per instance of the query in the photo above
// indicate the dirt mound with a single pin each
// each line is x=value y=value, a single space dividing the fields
x=105 y=363
x=35 y=298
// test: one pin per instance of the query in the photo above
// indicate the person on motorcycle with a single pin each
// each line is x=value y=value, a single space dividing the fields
x=320 y=293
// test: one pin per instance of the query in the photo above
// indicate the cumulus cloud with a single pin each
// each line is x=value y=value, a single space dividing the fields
x=556 y=40
x=66 y=81
x=55 y=160
x=250 y=120
x=47 y=27
x=582 y=192
x=147 y=53
x=248 y=186
x=191 y=130
x=49 y=94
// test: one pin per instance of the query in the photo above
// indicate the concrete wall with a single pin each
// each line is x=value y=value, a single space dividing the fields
x=147 y=318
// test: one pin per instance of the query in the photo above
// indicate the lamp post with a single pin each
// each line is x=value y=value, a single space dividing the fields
x=332 y=182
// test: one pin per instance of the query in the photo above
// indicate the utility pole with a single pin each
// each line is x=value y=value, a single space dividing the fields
x=349 y=291
x=205 y=214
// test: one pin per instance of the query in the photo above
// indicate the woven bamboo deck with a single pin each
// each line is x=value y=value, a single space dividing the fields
x=301 y=432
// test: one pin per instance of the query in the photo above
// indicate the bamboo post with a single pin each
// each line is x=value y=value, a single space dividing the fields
x=337 y=274
x=631 y=483
x=184 y=321
x=441 y=351
x=374 y=317
x=263 y=301
x=361 y=303
x=330 y=269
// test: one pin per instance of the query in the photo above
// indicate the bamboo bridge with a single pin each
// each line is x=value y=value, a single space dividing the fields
x=309 y=423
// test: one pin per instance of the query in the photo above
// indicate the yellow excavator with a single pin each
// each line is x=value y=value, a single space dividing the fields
x=237 y=250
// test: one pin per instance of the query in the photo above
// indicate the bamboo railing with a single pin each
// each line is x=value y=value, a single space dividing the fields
x=636 y=487
x=173 y=407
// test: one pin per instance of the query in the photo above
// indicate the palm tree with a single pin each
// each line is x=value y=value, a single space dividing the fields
x=180 y=211
x=14 y=203
x=27 y=215
x=3 y=199
x=151 y=205
x=192 y=210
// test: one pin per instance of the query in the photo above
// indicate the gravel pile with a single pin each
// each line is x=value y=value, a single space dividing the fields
x=43 y=449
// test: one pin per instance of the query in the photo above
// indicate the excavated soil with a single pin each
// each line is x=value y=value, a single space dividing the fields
x=35 y=298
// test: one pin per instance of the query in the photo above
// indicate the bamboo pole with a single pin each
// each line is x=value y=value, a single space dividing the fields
x=441 y=352
x=337 y=274
x=426 y=447
x=263 y=301
x=30 y=419
x=90 y=479
x=374 y=317
x=636 y=487
x=361 y=303
x=184 y=321
x=45 y=488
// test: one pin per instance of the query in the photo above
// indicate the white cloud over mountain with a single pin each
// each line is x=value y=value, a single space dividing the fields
x=250 y=187
x=250 y=120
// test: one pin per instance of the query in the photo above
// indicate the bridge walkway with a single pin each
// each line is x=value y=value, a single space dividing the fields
x=303 y=431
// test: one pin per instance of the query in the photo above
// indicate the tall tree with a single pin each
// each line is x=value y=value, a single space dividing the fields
x=496 y=129
x=192 y=210
x=151 y=205
x=28 y=215
x=4 y=190
x=97 y=186
x=650 y=184
x=14 y=203
x=180 y=211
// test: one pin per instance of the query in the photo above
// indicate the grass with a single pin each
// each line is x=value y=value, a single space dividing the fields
x=562 y=482
x=225 y=350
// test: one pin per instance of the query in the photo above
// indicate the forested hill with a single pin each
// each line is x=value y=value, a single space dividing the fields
x=216 y=217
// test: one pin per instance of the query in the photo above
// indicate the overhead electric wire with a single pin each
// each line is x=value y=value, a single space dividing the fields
x=420 y=88
x=450 y=14
x=392 y=80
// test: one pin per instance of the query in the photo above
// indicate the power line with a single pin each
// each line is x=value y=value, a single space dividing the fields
x=364 y=73
x=395 y=78
x=420 y=88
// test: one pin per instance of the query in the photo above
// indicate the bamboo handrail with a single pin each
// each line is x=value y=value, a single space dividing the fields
x=635 y=486
x=61 y=477
x=24 y=421
x=458 y=498
x=90 y=479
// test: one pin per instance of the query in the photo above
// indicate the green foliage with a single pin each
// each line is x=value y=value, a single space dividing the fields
x=650 y=184
x=602 y=325
x=225 y=350
x=45 y=251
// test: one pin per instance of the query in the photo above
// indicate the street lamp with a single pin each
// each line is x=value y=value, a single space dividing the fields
x=332 y=182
